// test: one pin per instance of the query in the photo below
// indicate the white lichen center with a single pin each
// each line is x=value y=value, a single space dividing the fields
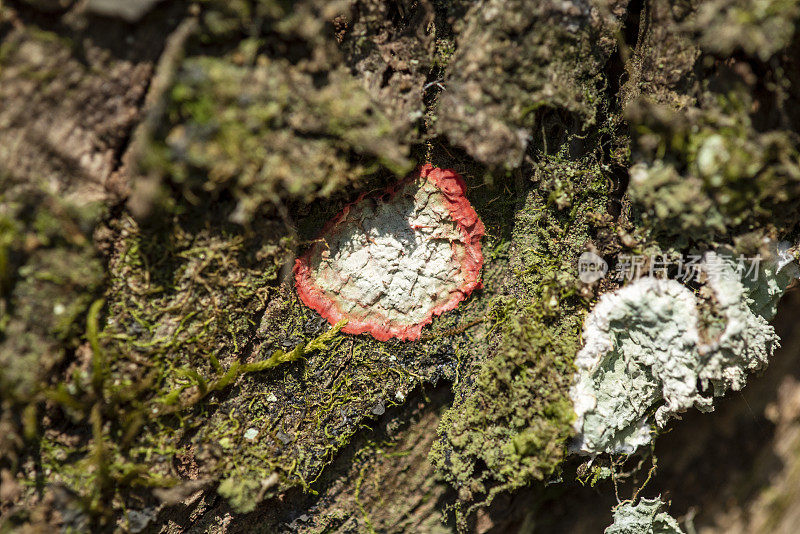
x=397 y=260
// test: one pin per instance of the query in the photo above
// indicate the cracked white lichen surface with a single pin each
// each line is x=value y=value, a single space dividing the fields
x=394 y=259
x=389 y=264
x=644 y=349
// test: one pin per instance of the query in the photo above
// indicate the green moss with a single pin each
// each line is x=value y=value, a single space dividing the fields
x=445 y=48
x=49 y=274
x=265 y=124
x=268 y=132
x=8 y=236
x=759 y=28
x=711 y=175
x=510 y=421
x=512 y=429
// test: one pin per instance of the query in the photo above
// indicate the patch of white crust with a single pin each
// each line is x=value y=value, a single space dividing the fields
x=396 y=260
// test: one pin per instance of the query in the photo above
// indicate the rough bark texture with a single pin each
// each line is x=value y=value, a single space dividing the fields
x=162 y=164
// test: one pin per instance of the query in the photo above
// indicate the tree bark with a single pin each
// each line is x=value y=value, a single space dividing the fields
x=163 y=163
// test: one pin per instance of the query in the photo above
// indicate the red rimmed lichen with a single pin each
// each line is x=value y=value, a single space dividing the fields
x=389 y=263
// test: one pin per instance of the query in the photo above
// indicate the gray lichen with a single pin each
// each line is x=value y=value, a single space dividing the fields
x=773 y=277
x=648 y=351
x=647 y=517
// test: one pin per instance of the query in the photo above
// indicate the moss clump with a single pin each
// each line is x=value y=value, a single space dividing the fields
x=263 y=122
x=49 y=274
x=512 y=429
x=711 y=175
x=267 y=132
x=758 y=28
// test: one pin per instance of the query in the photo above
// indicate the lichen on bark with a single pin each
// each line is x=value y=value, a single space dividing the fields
x=172 y=164
x=645 y=517
x=388 y=265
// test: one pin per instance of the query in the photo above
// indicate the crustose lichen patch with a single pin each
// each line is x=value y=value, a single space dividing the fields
x=388 y=264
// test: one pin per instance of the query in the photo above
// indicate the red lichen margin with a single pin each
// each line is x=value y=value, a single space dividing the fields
x=463 y=214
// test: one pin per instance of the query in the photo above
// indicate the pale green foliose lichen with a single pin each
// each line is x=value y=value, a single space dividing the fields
x=647 y=352
x=647 y=517
x=772 y=278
